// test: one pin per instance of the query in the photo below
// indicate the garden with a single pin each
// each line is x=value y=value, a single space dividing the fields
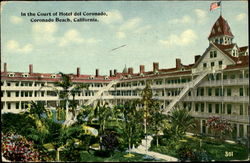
x=100 y=133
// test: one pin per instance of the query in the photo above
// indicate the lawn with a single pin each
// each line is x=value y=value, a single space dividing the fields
x=216 y=150
x=117 y=157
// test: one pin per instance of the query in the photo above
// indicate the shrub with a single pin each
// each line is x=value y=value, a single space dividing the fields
x=17 y=148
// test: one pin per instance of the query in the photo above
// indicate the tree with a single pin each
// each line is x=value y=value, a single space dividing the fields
x=133 y=123
x=219 y=125
x=157 y=120
x=68 y=88
x=180 y=121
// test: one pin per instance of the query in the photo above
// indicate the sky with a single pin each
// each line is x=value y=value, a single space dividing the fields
x=151 y=31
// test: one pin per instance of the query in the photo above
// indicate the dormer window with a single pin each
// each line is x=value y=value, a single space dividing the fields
x=11 y=75
x=91 y=77
x=219 y=30
x=141 y=74
x=106 y=77
x=25 y=75
x=221 y=40
x=53 y=76
x=156 y=72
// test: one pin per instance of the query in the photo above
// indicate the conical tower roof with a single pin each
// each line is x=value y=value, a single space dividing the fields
x=220 y=27
x=125 y=70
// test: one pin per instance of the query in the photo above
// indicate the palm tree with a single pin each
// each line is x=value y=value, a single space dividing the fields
x=181 y=121
x=66 y=88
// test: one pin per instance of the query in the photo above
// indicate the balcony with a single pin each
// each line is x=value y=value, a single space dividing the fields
x=227 y=82
x=236 y=118
x=235 y=99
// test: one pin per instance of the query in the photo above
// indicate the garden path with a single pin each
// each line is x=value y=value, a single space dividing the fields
x=143 y=149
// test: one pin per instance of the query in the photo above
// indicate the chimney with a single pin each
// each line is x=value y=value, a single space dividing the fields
x=130 y=70
x=178 y=63
x=142 y=69
x=30 y=68
x=110 y=73
x=96 y=72
x=196 y=58
x=78 y=71
x=5 y=67
x=155 y=66
x=115 y=72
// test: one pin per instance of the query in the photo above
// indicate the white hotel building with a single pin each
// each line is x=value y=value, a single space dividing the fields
x=216 y=84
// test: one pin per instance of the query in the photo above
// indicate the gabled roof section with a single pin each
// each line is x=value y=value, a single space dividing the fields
x=219 y=47
x=220 y=27
x=243 y=49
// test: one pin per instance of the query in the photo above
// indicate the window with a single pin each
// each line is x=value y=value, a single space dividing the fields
x=196 y=107
x=204 y=65
x=9 y=106
x=26 y=94
x=17 y=94
x=229 y=92
x=241 y=109
x=22 y=94
x=2 y=93
x=241 y=91
x=211 y=54
x=220 y=63
x=212 y=64
x=17 y=105
x=209 y=91
x=30 y=94
x=202 y=107
x=8 y=84
x=241 y=130
x=229 y=108
x=246 y=75
x=215 y=54
x=217 y=92
x=17 y=84
x=210 y=108
x=224 y=77
x=42 y=94
x=217 y=108
x=232 y=76
x=30 y=84
x=8 y=94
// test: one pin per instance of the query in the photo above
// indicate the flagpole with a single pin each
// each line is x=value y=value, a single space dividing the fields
x=220 y=8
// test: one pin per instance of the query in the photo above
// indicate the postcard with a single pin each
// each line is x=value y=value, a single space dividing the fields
x=124 y=81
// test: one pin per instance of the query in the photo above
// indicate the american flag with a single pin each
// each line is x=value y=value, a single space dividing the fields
x=214 y=5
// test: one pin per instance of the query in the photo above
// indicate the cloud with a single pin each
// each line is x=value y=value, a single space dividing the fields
x=14 y=46
x=16 y=20
x=120 y=35
x=143 y=29
x=184 y=20
x=241 y=17
x=185 y=38
x=44 y=32
x=114 y=16
x=131 y=24
x=201 y=15
x=72 y=36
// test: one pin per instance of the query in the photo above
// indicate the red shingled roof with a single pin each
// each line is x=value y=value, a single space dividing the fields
x=220 y=27
x=242 y=61
x=223 y=49
x=243 y=49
